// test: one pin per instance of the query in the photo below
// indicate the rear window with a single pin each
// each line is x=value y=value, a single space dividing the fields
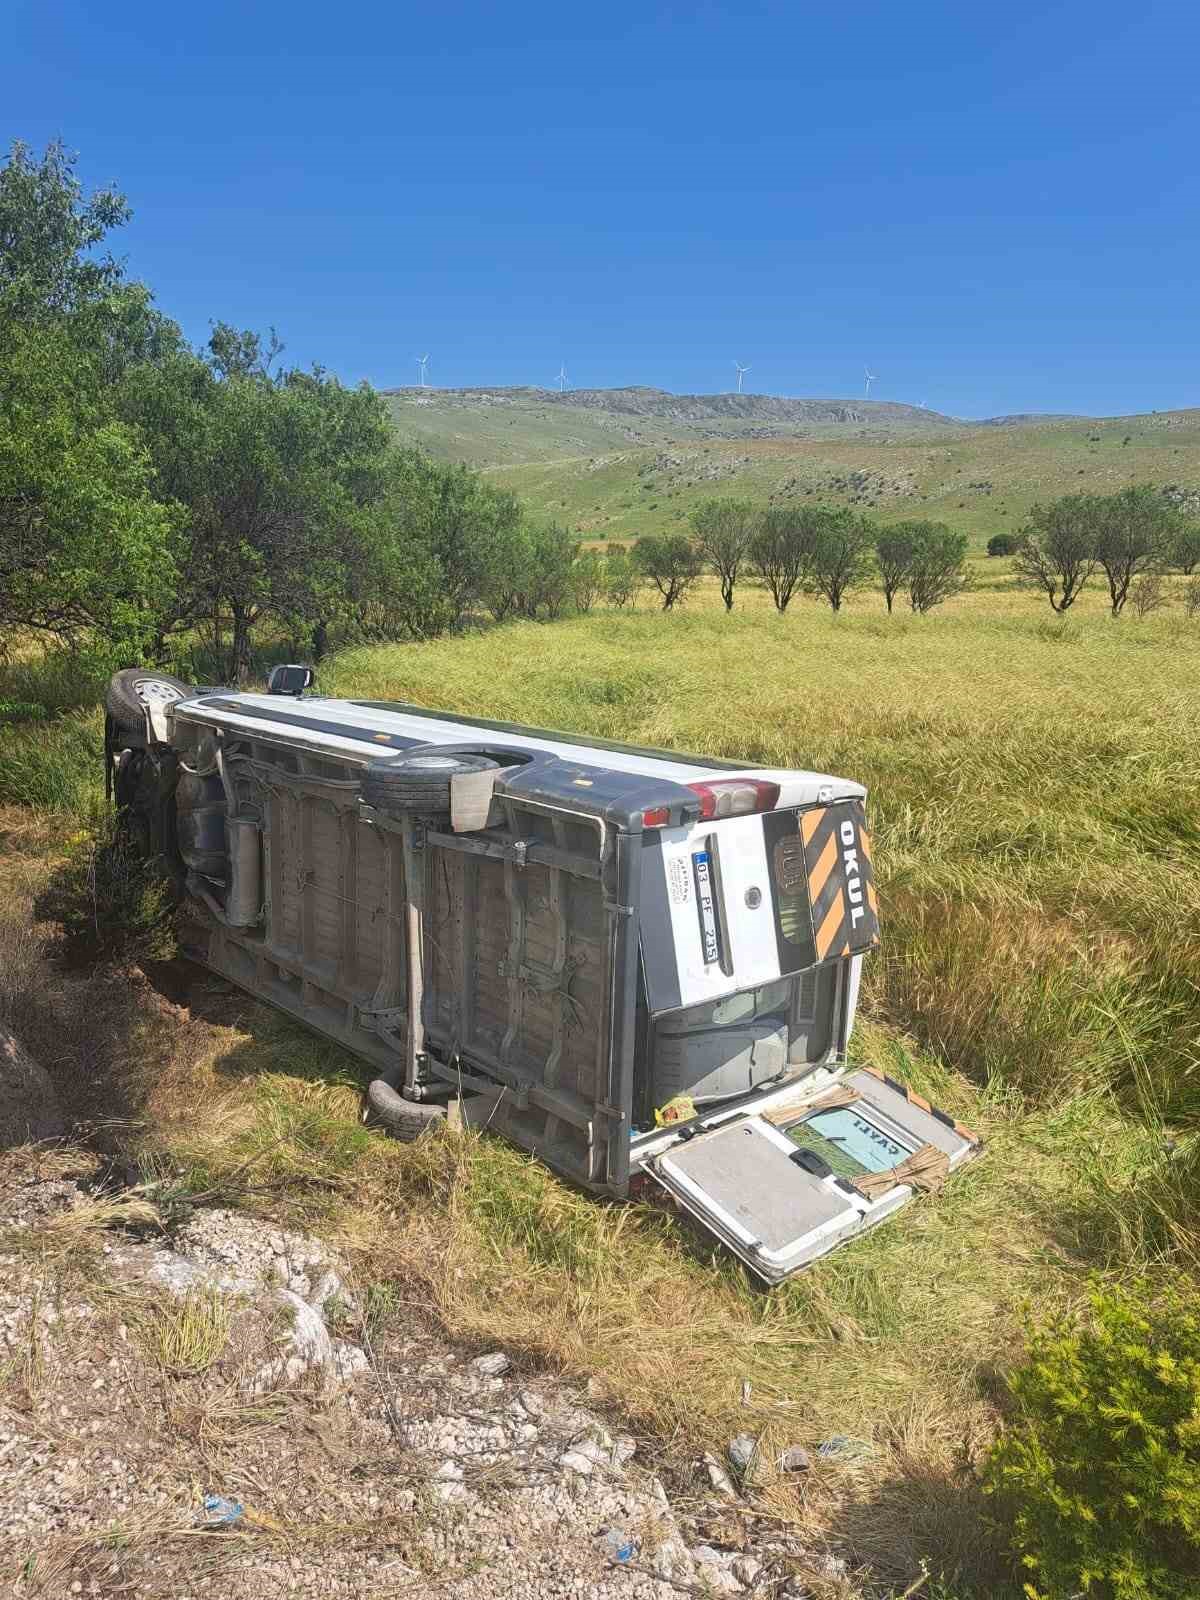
x=789 y=891
x=849 y=1143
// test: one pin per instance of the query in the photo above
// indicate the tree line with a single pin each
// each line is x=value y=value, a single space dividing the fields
x=151 y=492
x=816 y=550
x=1131 y=540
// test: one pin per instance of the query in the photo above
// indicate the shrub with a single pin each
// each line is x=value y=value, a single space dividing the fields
x=112 y=903
x=22 y=711
x=1002 y=544
x=1099 y=1473
x=1146 y=594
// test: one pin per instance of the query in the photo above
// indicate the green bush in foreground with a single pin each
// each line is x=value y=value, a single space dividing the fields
x=1100 y=1473
x=112 y=904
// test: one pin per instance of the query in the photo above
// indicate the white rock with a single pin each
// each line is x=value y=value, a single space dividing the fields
x=348 y=1359
x=719 y=1478
x=747 y=1570
x=309 y=1335
x=328 y=1286
x=494 y=1365
x=576 y=1461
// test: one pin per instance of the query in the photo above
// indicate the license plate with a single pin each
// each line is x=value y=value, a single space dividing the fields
x=710 y=941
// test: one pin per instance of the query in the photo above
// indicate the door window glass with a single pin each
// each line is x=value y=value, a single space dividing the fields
x=849 y=1142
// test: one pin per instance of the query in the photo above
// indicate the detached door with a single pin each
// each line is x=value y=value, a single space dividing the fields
x=761 y=1195
x=789 y=1180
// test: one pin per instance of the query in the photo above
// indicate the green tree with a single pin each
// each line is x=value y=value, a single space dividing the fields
x=621 y=577
x=587 y=580
x=550 y=584
x=1057 y=552
x=841 y=556
x=1133 y=533
x=895 y=550
x=938 y=568
x=780 y=548
x=1003 y=544
x=671 y=562
x=1185 y=548
x=85 y=545
x=279 y=480
x=722 y=531
x=49 y=231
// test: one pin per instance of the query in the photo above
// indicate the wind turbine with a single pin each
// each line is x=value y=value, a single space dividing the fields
x=422 y=368
x=562 y=377
x=741 y=371
x=870 y=377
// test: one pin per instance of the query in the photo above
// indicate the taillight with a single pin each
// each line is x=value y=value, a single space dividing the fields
x=656 y=817
x=735 y=797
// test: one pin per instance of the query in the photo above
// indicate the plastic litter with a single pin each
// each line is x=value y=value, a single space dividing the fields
x=679 y=1108
x=221 y=1512
x=619 y=1547
x=839 y=1447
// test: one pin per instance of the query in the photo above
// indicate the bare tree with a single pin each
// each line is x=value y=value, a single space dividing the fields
x=1134 y=530
x=671 y=562
x=938 y=568
x=722 y=530
x=1191 y=598
x=1057 y=552
x=841 y=557
x=1147 y=593
x=779 y=549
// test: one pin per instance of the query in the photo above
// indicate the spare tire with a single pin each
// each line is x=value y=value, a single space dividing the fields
x=418 y=784
x=133 y=689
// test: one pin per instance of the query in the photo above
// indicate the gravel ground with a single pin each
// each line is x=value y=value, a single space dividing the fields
x=367 y=1457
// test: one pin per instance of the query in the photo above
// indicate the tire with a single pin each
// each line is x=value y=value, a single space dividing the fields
x=407 y=1119
x=417 y=785
x=129 y=691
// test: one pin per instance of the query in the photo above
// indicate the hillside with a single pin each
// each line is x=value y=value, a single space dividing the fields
x=614 y=463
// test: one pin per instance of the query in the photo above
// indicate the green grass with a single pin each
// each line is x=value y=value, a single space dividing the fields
x=1038 y=851
x=611 y=476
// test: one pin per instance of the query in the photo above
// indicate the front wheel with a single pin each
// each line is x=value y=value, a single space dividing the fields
x=133 y=691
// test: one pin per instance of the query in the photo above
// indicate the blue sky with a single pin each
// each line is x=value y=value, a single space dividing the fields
x=995 y=207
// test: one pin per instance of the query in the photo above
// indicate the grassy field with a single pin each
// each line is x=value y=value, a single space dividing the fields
x=608 y=476
x=1033 y=793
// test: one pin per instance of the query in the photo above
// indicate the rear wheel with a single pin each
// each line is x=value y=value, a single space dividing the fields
x=418 y=785
x=407 y=1119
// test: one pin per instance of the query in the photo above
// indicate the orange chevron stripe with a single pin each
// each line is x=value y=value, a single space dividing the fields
x=818 y=875
x=830 y=926
x=809 y=823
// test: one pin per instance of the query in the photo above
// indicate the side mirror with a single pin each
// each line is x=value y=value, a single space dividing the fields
x=290 y=679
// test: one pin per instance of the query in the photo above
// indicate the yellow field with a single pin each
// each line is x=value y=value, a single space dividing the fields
x=1033 y=797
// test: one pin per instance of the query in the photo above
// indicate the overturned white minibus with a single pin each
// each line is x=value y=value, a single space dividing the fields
x=631 y=962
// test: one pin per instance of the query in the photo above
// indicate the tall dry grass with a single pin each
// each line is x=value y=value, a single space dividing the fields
x=1037 y=844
